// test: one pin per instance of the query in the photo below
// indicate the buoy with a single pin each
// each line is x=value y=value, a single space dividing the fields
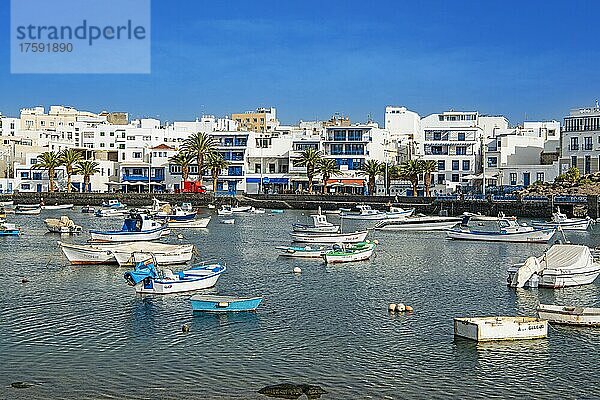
x=400 y=307
x=24 y=280
x=297 y=270
x=180 y=236
x=376 y=241
x=185 y=328
x=392 y=307
x=409 y=309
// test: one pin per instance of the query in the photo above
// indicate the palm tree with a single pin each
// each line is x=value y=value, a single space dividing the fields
x=393 y=173
x=200 y=145
x=309 y=158
x=70 y=157
x=372 y=168
x=427 y=168
x=184 y=160
x=87 y=169
x=215 y=163
x=410 y=170
x=50 y=161
x=327 y=167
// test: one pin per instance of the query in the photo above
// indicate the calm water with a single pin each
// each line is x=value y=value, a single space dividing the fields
x=81 y=332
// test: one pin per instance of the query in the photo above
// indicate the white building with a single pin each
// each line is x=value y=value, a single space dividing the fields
x=581 y=140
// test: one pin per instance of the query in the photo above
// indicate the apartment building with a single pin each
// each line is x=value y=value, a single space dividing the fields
x=580 y=145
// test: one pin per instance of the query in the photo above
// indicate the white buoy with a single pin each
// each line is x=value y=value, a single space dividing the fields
x=297 y=270
x=400 y=307
x=392 y=307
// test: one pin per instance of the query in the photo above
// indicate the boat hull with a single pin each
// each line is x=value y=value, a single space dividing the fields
x=578 y=316
x=10 y=232
x=35 y=211
x=354 y=237
x=125 y=236
x=218 y=304
x=577 y=225
x=315 y=229
x=301 y=252
x=180 y=255
x=484 y=329
x=535 y=236
x=58 y=207
x=332 y=258
x=197 y=223
x=165 y=286
x=86 y=255
x=416 y=224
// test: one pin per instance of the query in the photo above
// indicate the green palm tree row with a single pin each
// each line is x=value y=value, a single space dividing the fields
x=72 y=160
x=411 y=171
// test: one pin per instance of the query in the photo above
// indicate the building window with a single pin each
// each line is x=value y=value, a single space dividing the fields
x=513 y=178
x=587 y=143
x=257 y=168
x=461 y=136
x=137 y=154
x=441 y=178
x=461 y=150
x=587 y=165
x=455 y=165
x=441 y=165
x=574 y=143
x=437 y=135
x=283 y=169
x=492 y=161
x=436 y=150
x=574 y=161
x=455 y=177
x=466 y=165
x=539 y=177
x=24 y=175
x=271 y=168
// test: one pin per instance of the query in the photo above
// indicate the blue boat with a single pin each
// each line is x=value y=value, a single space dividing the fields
x=177 y=215
x=9 y=229
x=211 y=303
x=137 y=227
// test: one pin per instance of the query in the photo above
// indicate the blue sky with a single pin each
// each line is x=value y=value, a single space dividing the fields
x=534 y=59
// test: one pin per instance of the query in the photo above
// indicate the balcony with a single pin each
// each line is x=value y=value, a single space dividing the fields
x=142 y=178
x=574 y=147
x=588 y=147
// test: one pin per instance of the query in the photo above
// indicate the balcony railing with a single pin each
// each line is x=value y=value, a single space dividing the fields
x=142 y=178
x=574 y=147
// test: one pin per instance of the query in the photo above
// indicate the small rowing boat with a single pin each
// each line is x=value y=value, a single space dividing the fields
x=357 y=252
x=332 y=238
x=211 y=303
x=565 y=315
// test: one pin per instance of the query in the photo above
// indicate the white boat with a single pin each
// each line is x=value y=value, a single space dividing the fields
x=229 y=221
x=186 y=206
x=110 y=212
x=6 y=203
x=418 y=223
x=211 y=206
x=397 y=212
x=165 y=254
x=225 y=210
x=319 y=225
x=241 y=209
x=561 y=265
x=567 y=224
x=197 y=223
x=481 y=217
x=484 y=329
x=257 y=211
x=7 y=229
x=113 y=203
x=28 y=210
x=58 y=207
x=62 y=225
x=87 y=254
x=137 y=227
x=358 y=252
x=354 y=237
x=103 y=253
x=565 y=315
x=302 y=252
x=365 y=213
x=508 y=230
x=146 y=278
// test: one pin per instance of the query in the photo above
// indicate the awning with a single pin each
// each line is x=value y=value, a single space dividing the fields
x=346 y=182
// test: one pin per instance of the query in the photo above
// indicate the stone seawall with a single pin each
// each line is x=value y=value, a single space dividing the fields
x=532 y=209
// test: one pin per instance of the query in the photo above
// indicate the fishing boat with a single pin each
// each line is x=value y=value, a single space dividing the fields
x=165 y=254
x=357 y=252
x=7 y=229
x=87 y=209
x=103 y=253
x=58 y=207
x=6 y=203
x=62 y=225
x=302 y=252
x=113 y=203
x=257 y=210
x=562 y=265
x=365 y=213
x=481 y=217
x=418 y=223
x=354 y=237
x=146 y=278
x=212 y=303
x=508 y=230
x=176 y=215
x=568 y=224
x=319 y=225
x=484 y=329
x=397 y=212
x=225 y=210
x=28 y=210
x=241 y=209
x=186 y=206
x=565 y=315
x=229 y=221
x=196 y=223
x=110 y=212
x=137 y=227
